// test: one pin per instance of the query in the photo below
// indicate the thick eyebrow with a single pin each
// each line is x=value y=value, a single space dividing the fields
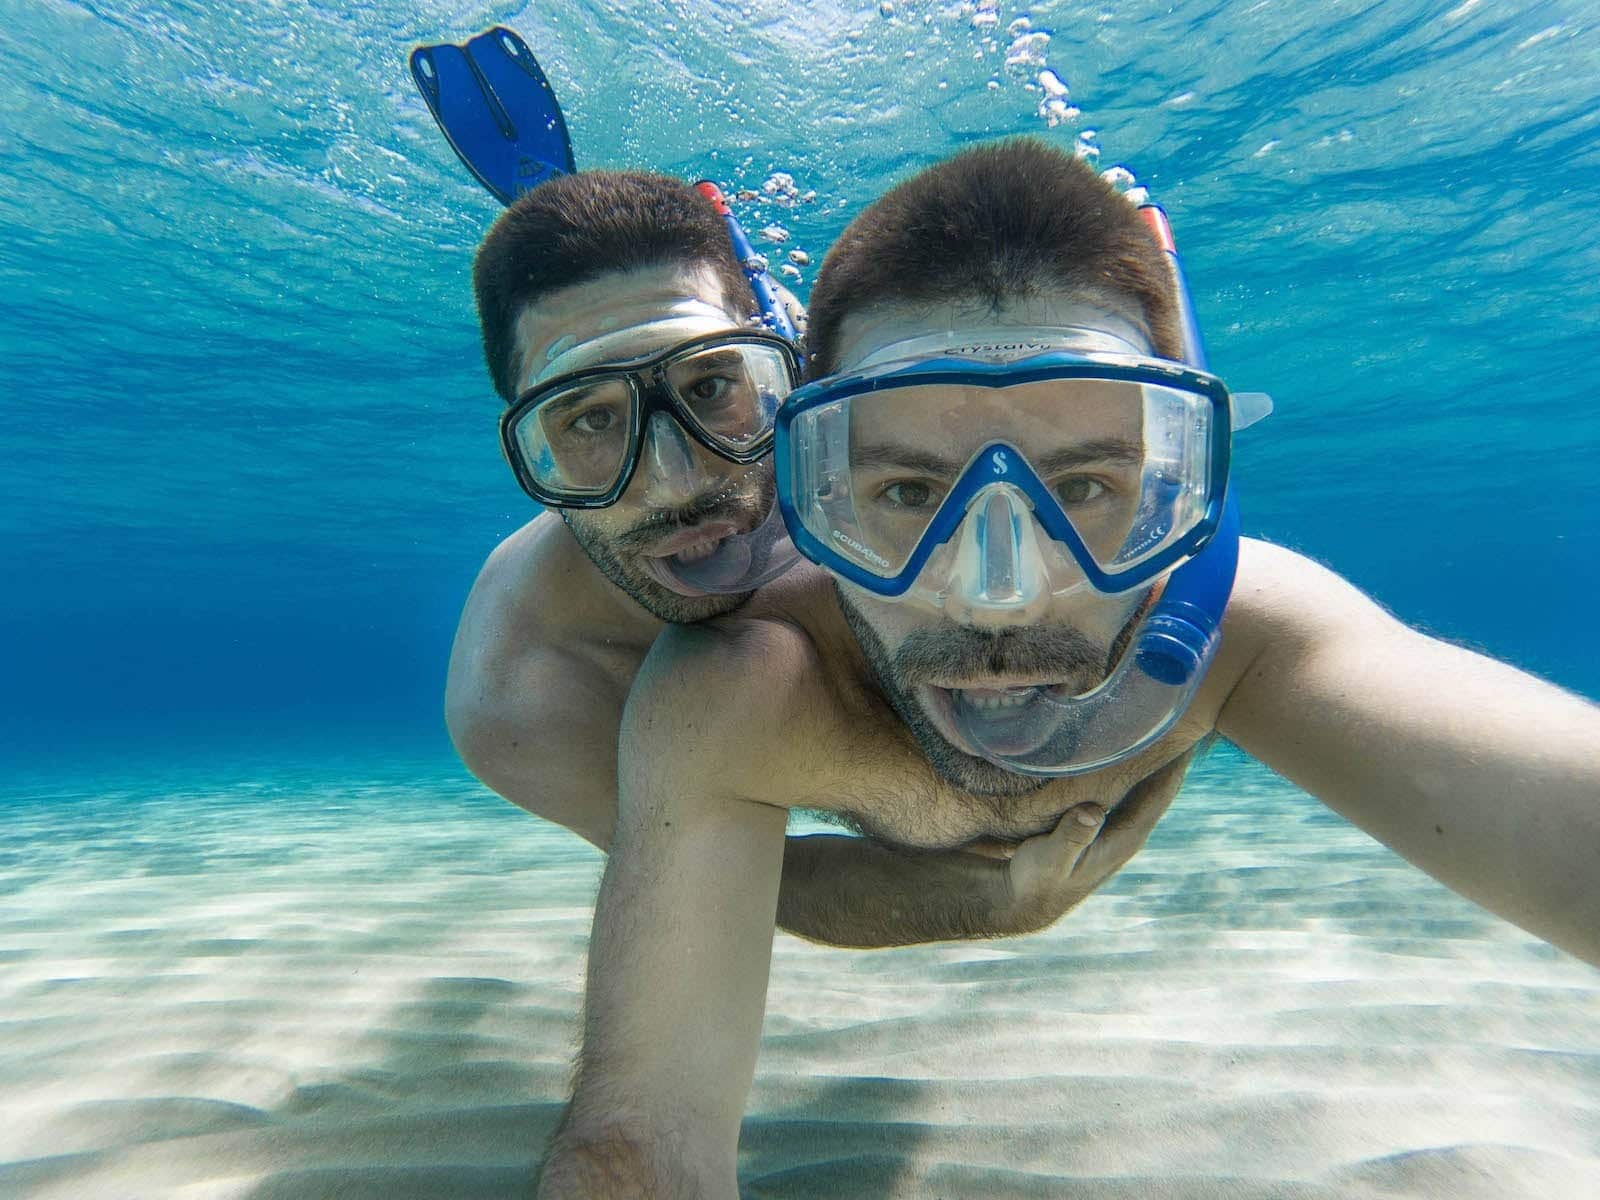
x=1112 y=450
x=888 y=454
x=909 y=458
x=715 y=358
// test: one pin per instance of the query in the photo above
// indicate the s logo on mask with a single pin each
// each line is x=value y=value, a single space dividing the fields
x=998 y=458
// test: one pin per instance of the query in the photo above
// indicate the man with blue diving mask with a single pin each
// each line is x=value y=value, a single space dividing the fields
x=641 y=372
x=1015 y=470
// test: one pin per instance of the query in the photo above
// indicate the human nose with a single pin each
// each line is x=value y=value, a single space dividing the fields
x=673 y=474
x=1002 y=579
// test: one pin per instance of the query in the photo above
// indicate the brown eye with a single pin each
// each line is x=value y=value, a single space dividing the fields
x=1078 y=489
x=595 y=420
x=709 y=389
x=909 y=494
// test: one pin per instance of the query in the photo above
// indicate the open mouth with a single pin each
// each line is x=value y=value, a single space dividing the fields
x=1011 y=717
x=694 y=544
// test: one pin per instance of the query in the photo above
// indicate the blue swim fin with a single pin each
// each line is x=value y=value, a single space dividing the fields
x=496 y=109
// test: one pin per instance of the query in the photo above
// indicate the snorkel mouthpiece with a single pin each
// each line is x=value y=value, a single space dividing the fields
x=741 y=562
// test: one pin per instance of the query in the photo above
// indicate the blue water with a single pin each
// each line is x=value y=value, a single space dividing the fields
x=250 y=466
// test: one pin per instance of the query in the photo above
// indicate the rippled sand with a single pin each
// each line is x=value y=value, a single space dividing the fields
x=286 y=987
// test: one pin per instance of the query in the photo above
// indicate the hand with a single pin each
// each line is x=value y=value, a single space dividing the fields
x=1051 y=872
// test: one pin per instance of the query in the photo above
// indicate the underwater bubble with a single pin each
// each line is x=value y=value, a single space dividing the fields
x=994 y=85
x=1138 y=196
x=987 y=15
x=809 y=196
x=1266 y=148
x=1052 y=83
x=747 y=194
x=1118 y=177
x=1028 y=50
x=886 y=9
x=789 y=272
x=799 y=258
x=775 y=233
x=778 y=181
x=1055 y=111
x=1087 y=151
x=1020 y=26
x=758 y=262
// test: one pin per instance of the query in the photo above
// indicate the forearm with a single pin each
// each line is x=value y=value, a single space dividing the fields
x=849 y=891
x=1481 y=775
x=1505 y=807
x=614 y=1165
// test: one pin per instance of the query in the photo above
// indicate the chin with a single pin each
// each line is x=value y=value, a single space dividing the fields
x=667 y=605
x=971 y=774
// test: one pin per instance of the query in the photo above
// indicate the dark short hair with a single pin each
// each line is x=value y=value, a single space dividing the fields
x=575 y=228
x=995 y=222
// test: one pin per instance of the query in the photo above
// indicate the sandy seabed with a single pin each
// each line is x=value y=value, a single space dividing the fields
x=295 y=987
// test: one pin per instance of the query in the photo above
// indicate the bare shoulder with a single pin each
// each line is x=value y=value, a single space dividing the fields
x=526 y=576
x=1281 y=595
x=746 y=663
x=538 y=629
x=1287 y=614
x=723 y=706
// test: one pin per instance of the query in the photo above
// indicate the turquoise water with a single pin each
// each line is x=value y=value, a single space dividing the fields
x=250 y=465
x=261 y=936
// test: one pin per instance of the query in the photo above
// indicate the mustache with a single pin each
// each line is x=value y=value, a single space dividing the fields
x=961 y=650
x=724 y=505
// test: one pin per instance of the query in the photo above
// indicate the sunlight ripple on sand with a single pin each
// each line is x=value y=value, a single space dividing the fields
x=290 y=988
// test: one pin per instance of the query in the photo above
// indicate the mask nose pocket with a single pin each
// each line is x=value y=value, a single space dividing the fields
x=669 y=460
x=1000 y=565
x=999 y=539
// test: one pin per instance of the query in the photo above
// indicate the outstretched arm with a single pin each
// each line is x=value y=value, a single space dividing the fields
x=677 y=964
x=1483 y=776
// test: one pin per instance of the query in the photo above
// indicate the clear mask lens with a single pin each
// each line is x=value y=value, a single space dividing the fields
x=576 y=439
x=1126 y=464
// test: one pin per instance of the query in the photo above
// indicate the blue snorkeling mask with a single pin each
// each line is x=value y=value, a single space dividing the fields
x=992 y=473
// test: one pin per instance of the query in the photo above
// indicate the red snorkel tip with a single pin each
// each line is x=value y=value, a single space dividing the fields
x=1155 y=218
x=714 y=194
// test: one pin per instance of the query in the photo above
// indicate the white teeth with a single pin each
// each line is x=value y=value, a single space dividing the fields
x=697 y=551
x=991 y=701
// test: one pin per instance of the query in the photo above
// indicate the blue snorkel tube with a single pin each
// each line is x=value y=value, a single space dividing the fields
x=774 y=313
x=1181 y=633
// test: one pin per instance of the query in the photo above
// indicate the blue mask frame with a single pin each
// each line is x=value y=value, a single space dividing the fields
x=1000 y=461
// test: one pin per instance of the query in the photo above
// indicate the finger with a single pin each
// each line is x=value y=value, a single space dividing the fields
x=1130 y=823
x=1074 y=833
x=990 y=848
